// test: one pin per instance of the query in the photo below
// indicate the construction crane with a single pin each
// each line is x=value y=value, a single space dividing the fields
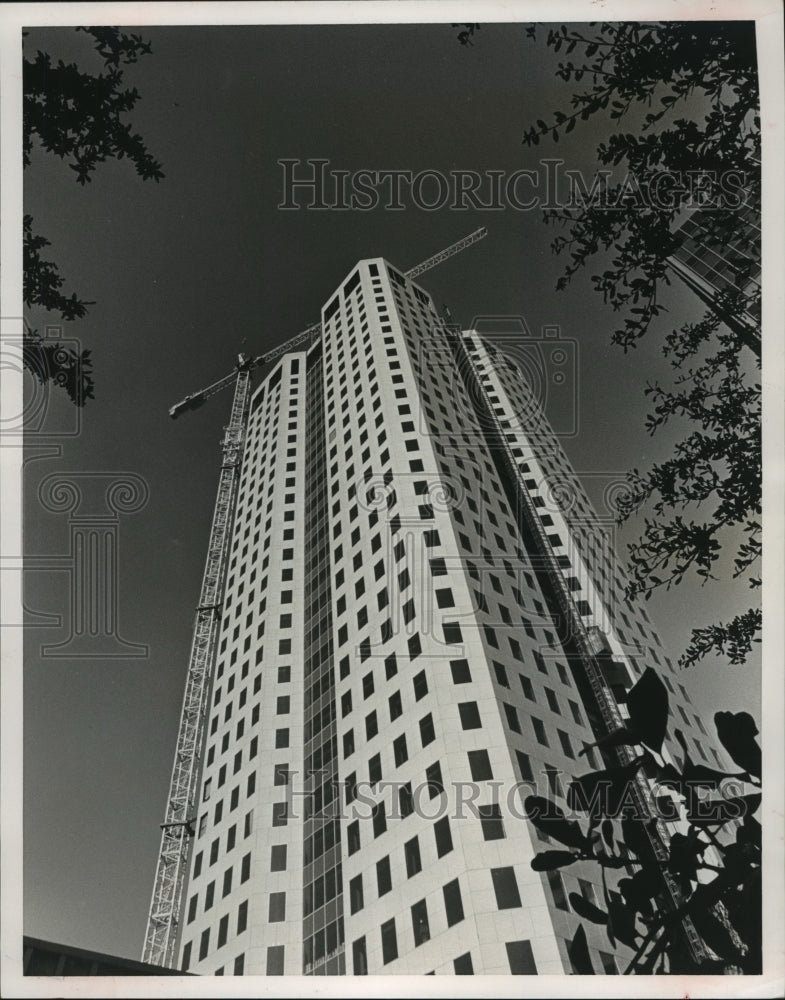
x=178 y=828
x=314 y=331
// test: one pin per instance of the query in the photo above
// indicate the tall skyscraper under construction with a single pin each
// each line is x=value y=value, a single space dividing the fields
x=422 y=622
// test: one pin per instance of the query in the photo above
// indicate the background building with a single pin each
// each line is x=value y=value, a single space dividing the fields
x=45 y=958
x=718 y=256
x=423 y=622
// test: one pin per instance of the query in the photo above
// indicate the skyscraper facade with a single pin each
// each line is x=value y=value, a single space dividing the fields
x=424 y=623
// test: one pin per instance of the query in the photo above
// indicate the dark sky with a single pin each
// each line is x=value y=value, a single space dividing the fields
x=188 y=272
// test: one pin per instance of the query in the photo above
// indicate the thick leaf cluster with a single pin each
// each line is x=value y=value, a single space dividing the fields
x=79 y=117
x=690 y=93
x=669 y=880
x=51 y=362
x=42 y=280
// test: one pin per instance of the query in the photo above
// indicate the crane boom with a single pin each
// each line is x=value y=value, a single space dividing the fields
x=315 y=329
x=450 y=251
x=164 y=916
x=177 y=829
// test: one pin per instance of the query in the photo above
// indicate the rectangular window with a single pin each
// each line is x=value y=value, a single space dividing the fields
x=528 y=690
x=554 y=783
x=209 y=896
x=275 y=958
x=460 y=671
x=223 y=930
x=566 y=746
x=521 y=958
x=453 y=904
x=278 y=858
x=239 y=965
x=389 y=942
x=539 y=731
x=491 y=821
x=427 y=733
x=245 y=868
x=396 y=707
x=524 y=765
x=443 y=836
x=277 y=908
x=356 y=894
x=452 y=632
x=280 y=813
x=463 y=965
x=359 y=959
x=501 y=674
x=420 y=684
x=420 y=926
x=242 y=917
x=204 y=944
x=505 y=886
x=512 y=718
x=227 y=887
x=470 y=715
x=557 y=890
x=383 y=876
x=405 y=800
x=444 y=598
x=353 y=836
x=411 y=850
x=480 y=764
x=433 y=776
x=379 y=819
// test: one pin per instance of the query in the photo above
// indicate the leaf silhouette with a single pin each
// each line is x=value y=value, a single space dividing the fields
x=737 y=732
x=548 y=861
x=549 y=818
x=622 y=919
x=647 y=703
x=601 y=793
x=585 y=908
x=578 y=952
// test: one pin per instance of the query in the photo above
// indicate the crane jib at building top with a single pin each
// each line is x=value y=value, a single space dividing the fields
x=177 y=829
